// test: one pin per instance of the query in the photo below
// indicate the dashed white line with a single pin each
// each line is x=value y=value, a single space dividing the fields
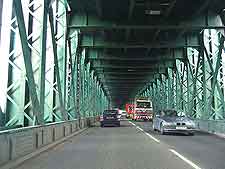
x=153 y=138
x=149 y=135
x=132 y=123
x=139 y=128
x=185 y=159
x=171 y=150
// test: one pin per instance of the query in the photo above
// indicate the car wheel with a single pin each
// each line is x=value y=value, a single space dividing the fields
x=191 y=134
x=118 y=125
x=153 y=126
x=162 y=132
x=102 y=125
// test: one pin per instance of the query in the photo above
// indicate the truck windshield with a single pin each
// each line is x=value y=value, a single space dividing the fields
x=143 y=104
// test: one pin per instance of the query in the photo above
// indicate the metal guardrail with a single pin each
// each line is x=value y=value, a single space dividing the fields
x=212 y=126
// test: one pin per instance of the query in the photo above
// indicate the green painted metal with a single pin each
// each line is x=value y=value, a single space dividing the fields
x=47 y=81
x=43 y=40
x=58 y=114
x=196 y=83
x=60 y=38
x=53 y=75
x=38 y=115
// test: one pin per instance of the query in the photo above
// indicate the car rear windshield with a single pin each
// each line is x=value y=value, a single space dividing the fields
x=110 y=112
x=172 y=113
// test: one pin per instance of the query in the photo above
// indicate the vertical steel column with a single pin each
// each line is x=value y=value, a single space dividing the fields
x=89 y=96
x=73 y=51
x=213 y=56
x=82 y=85
x=61 y=31
x=170 y=89
x=28 y=64
x=62 y=115
x=78 y=88
x=43 y=39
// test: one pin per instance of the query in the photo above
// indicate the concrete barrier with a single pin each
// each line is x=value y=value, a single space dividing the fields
x=211 y=126
x=17 y=143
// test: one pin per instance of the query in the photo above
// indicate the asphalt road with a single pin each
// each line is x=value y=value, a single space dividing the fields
x=206 y=150
x=132 y=146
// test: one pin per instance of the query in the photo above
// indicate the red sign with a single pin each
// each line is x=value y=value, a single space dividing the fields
x=130 y=108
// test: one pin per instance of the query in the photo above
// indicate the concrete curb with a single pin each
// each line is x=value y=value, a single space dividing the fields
x=19 y=161
x=221 y=135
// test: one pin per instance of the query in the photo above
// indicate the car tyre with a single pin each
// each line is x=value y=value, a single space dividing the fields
x=162 y=132
x=191 y=134
x=102 y=125
x=153 y=126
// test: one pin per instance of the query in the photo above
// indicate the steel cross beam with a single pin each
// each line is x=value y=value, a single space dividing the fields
x=90 y=22
x=130 y=13
x=132 y=46
x=56 y=62
x=92 y=41
x=198 y=12
x=145 y=27
x=28 y=64
x=167 y=13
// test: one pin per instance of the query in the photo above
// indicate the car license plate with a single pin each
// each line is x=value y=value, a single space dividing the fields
x=181 y=128
x=109 y=117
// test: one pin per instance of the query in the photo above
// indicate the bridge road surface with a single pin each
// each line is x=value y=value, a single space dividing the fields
x=130 y=147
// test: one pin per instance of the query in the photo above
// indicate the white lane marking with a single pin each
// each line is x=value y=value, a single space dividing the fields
x=132 y=123
x=149 y=135
x=153 y=138
x=139 y=128
x=185 y=159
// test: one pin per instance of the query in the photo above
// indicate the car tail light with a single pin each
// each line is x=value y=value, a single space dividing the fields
x=101 y=118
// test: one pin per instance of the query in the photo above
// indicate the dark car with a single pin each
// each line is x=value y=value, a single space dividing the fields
x=110 y=117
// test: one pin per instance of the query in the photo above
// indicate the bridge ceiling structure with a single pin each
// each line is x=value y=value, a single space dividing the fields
x=70 y=59
x=130 y=43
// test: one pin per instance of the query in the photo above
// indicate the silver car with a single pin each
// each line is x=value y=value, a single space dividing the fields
x=171 y=121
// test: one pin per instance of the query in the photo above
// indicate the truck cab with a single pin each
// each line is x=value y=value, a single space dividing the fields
x=143 y=109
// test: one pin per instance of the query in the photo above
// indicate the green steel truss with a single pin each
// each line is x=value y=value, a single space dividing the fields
x=196 y=83
x=46 y=77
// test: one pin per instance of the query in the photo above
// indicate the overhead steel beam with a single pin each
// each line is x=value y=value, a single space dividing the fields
x=109 y=73
x=89 y=22
x=92 y=41
x=124 y=58
x=197 y=13
x=166 y=14
x=131 y=8
x=125 y=81
x=98 y=7
x=145 y=27
x=146 y=46
x=107 y=62
x=130 y=13
x=124 y=67
x=134 y=67
x=126 y=78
